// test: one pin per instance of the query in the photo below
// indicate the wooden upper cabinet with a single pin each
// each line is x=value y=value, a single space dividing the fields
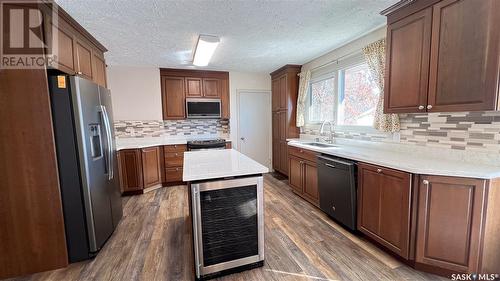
x=83 y=59
x=65 y=49
x=193 y=87
x=275 y=94
x=196 y=84
x=76 y=52
x=464 y=73
x=99 y=69
x=442 y=56
x=225 y=98
x=212 y=88
x=173 y=97
x=151 y=166
x=384 y=206
x=407 y=65
x=283 y=90
x=450 y=222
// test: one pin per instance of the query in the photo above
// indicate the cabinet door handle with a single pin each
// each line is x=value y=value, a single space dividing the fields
x=177 y=154
x=426 y=182
x=79 y=73
x=379 y=171
x=421 y=107
x=429 y=106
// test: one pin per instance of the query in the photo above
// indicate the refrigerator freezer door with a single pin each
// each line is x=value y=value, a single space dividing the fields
x=114 y=182
x=88 y=119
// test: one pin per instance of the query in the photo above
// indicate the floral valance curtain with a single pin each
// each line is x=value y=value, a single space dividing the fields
x=305 y=78
x=375 y=58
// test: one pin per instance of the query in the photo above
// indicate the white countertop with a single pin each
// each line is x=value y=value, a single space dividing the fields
x=133 y=143
x=213 y=164
x=425 y=164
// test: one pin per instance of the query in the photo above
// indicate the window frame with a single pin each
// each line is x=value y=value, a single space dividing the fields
x=320 y=78
x=336 y=71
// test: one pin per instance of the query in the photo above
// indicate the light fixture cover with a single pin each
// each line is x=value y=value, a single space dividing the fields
x=205 y=48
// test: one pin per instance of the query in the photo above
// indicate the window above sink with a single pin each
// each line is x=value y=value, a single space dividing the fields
x=343 y=93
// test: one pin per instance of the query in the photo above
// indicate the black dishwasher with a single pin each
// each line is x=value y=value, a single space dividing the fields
x=337 y=189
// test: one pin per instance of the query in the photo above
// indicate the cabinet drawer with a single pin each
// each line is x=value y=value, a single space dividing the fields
x=175 y=148
x=173 y=174
x=174 y=159
x=303 y=153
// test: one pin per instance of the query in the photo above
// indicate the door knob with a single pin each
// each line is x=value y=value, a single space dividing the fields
x=421 y=107
x=426 y=182
x=379 y=171
x=429 y=106
x=243 y=139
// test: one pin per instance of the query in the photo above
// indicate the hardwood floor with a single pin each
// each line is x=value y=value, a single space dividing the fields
x=153 y=242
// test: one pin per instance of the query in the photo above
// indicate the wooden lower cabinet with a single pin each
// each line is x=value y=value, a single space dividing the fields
x=173 y=175
x=384 y=201
x=450 y=222
x=130 y=169
x=311 y=182
x=174 y=161
x=295 y=177
x=302 y=174
x=441 y=224
x=283 y=157
x=151 y=166
x=140 y=169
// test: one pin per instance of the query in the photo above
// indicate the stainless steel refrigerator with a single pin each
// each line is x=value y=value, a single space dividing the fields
x=86 y=156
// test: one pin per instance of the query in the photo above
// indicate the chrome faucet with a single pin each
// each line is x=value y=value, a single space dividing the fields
x=321 y=130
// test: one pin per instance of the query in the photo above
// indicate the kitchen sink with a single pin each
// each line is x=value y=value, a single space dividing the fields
x=318 y=144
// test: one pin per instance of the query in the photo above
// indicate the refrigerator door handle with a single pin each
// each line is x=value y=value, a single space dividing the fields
x=110 y=142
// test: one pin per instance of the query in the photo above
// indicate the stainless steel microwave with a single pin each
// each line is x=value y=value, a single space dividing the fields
x=203 y=108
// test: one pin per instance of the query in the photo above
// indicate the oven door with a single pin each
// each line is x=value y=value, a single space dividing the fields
x=203 y=108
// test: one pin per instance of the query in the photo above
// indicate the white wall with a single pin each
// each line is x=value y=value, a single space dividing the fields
x=135 y=92
x=345 y=50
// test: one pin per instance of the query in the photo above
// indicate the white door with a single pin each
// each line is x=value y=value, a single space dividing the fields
x=254 y=129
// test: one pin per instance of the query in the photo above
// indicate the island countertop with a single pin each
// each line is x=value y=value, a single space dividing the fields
x=215 y=164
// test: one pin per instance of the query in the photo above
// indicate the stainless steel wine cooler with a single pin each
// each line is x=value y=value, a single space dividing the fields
x=228 y=225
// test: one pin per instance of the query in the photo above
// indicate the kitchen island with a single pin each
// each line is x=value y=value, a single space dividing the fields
x=227 y=211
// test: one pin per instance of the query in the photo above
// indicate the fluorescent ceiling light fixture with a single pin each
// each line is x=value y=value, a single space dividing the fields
x=205 y=49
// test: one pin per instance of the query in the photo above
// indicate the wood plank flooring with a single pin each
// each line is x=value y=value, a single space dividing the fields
x=153 y=242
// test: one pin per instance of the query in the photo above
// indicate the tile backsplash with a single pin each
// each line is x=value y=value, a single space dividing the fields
x=473 y=131
x=464 y=130
x=162 y=128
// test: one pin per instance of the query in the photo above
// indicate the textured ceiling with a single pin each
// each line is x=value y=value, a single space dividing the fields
x=256 y=36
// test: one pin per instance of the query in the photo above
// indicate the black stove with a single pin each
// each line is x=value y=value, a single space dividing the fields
x=206 y=144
